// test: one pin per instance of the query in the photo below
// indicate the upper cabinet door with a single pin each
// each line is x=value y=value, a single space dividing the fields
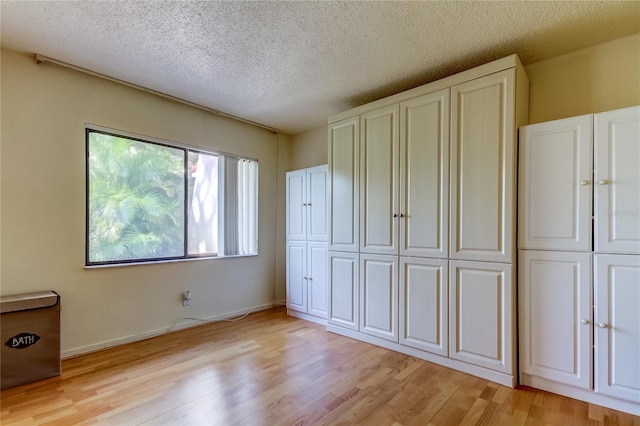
x=379 y=151
x=482 y=168
x=344 y=185
x=424 y=176
x=555 y=194
x=617 y=181
x=296 y=205
x=316 y=208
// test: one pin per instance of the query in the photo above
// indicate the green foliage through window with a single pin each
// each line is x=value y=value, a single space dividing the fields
x=137 y=208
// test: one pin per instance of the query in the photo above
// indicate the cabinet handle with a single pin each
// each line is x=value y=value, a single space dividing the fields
x=603 y=182
x=308 y=204
x=305 y=278
x=584 y=182
x=401 y=215
x=602 y=325
x=395 y=215
x=584 y=321
x=310 y=279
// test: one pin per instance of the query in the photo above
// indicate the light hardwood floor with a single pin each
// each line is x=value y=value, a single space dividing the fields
x=270 y=369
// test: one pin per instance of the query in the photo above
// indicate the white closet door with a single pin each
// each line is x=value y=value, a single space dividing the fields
x=297 y=275
x=617 y=326
x=317 y=195
x=424 y=176
x=379 y=296
x=481 y=314
x=344 y=185
x=556 y=185
x=555 y=316
x=296 y=205
x=424 y=304
x=482 y=168
x=317 y=264
x=343 y=289
x=379 y=151
x=617 y=181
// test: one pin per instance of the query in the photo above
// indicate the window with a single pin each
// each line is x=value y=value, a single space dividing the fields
x=150 y=201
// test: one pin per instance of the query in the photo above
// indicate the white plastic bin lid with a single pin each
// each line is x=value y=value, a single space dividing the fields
x=22 y=302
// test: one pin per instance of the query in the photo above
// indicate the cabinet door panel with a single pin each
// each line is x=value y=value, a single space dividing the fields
x=424 y=176
x=481 y=314
x=297 y=275
x=317 y=193
x=379 y=181
x=379 y=296
x=556 y=185
x=555 y=300
x=343 y=289
x=617 y=326
x=296 y=209
x=424 y=304
x=482 y=168
x=344 y=185
x=617 y=181
x=317 y=263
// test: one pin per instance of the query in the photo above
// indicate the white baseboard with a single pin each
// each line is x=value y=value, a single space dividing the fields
x=307 y=317
x=179 y=325
x=586 y=395
x=484 y=373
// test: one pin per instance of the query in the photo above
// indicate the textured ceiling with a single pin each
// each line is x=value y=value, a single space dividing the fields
x=289 y=65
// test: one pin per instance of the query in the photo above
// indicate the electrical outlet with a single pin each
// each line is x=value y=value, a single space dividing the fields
x=186 y=298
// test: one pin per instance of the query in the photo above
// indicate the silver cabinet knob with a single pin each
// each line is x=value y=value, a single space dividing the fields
x=603 y=182
x=584 y=321
x=602 y=325
x=584 y=182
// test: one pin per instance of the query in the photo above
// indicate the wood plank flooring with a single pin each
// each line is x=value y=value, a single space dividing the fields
x=271 y=369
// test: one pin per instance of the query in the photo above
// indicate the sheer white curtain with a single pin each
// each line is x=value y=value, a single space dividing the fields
x=239 y=200
x=247 y=207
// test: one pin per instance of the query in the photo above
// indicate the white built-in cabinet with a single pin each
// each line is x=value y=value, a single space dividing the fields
x=306 y=246
x=424 y=304
x=343 y=289
x=579 y=251
x=421 y=220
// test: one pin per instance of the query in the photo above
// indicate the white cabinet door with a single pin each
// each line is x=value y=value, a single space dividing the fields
x=316 y=204
x=555 y=316
x=481 y=315
x=379 y=296
x=482 y=168
x=297 y=275
x=379 y=151
x=344 y=146
x=424 y=304
x=555 y=197
x=424 y=176
x=617 y=181
x=317 y=263
x=296 y=205
x=617 y=326
x=343 y=289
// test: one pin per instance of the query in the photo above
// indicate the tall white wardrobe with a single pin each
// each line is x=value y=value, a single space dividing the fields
x=579 y=257
x=306 y=243
x=422 y=220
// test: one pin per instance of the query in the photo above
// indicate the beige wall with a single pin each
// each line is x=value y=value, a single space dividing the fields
x=309 y=149
x=595 y=79
x=44 y=111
